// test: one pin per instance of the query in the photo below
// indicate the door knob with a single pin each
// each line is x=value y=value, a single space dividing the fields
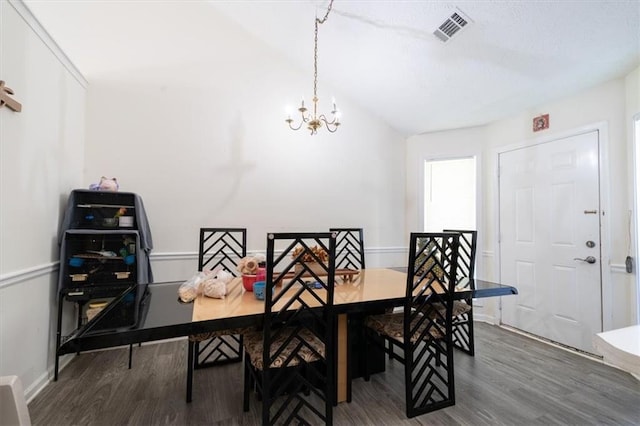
x=588 y=259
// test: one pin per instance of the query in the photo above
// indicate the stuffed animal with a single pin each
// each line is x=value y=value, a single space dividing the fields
x=248 y=265
x=217 y=287
x=105 y=184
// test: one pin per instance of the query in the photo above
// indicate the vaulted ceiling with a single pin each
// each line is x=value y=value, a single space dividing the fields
x=510 y=55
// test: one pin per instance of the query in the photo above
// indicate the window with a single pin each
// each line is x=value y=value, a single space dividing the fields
x=449 y=194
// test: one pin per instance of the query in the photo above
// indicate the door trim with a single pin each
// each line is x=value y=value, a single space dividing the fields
x=479 y=191
x=605 y=206
x=635 y=143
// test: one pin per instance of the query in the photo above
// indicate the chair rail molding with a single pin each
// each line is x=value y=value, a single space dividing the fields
x=22 y=275
x=189 y=255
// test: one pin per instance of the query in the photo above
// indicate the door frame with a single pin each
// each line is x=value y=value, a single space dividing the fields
x=635 y=149
x=604 y=181
x=479 y=196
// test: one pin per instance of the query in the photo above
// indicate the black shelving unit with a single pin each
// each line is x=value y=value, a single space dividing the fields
x=104 y=246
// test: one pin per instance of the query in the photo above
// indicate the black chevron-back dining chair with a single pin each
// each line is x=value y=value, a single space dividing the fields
x=349 y=248
x=349 y=256
x=290 y=363
x=463 y=309
x=218 y=248
x=423 y=343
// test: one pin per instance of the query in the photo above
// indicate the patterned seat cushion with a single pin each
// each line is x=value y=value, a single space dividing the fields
x=392 y=325
x=303 y=343
x=460 y=307
x=213 y=334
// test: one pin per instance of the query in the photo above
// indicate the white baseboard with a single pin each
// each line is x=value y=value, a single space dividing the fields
x=65 y=360
x=45 y=378
x=489 y=319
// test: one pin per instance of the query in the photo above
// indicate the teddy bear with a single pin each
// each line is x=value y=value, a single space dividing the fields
x=105 y=184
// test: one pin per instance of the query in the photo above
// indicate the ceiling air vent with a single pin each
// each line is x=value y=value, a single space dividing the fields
x=451 y=26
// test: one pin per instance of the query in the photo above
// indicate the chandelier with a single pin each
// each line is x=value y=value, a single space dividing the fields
x=312 y=119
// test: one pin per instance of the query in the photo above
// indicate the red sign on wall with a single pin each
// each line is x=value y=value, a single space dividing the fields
x=541 y=122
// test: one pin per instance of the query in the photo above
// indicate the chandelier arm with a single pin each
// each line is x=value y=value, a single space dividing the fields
x=334 y=120
x=294 y=128
x=328 y=127
x=328 y=124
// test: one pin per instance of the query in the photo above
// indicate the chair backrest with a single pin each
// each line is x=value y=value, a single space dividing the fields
x=428 y=349
x=431 y=273
x=299 y=302
x=349 y=248
x=222 y=247
x=467 y=253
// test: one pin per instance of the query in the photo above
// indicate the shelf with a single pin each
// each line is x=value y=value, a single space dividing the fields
x=101 y=206
x=95 y=223
x=97 y=256
x=82 y=277
x=86 y=293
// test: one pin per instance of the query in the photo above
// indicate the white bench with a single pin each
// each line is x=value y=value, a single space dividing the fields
x=620 y=348
x=13 y=407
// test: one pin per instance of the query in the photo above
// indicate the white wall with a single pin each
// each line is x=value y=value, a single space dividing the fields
x=604 y=103
x=205 y=144
x=41 y=160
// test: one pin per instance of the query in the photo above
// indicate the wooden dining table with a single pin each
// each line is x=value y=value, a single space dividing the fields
x=163 y=316
x=368 y=289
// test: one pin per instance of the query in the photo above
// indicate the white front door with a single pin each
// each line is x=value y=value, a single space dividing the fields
x=549 y=219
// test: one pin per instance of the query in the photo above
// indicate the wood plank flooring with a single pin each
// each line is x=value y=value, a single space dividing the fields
x=512 y=380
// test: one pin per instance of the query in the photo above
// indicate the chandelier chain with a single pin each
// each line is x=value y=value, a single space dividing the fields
x=315 y=50
x=310 y=117
x=315 y=63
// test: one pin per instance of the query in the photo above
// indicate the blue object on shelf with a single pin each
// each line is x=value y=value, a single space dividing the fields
x=130 y=259
x=76 y=262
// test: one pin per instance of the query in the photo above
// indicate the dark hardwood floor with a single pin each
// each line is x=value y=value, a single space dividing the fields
x=512 y=380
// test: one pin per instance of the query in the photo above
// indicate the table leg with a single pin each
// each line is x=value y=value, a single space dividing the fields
x=190 y=363
x=58 y=337
x=343 y=343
